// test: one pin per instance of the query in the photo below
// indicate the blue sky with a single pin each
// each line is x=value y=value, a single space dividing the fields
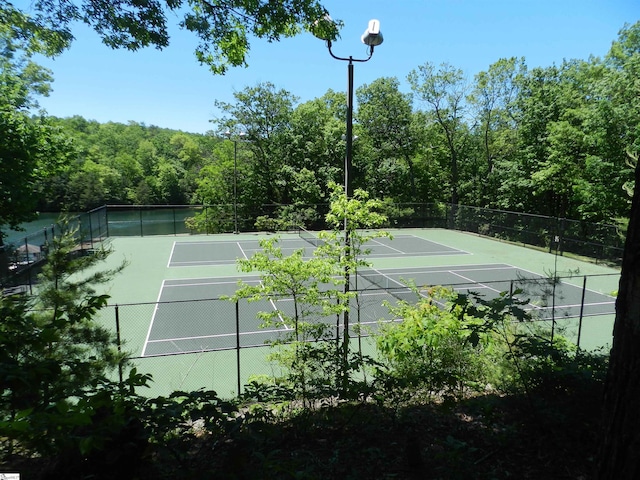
x=170 y=89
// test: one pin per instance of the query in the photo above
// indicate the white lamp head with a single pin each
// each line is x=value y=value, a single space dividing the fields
x=372 y=36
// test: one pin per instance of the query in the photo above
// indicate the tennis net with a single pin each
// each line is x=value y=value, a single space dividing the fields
x=310 y=237
x=368 y=279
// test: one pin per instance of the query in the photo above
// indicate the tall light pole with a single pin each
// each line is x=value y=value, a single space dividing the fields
x=235 y=177
x=372 y=37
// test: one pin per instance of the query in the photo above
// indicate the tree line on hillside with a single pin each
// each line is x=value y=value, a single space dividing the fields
x=553 y=141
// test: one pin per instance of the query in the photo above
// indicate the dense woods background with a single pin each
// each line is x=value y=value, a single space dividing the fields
x=555 y=141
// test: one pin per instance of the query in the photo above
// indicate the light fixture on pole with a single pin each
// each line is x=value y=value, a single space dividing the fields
x=372 y=37
x=235 y=177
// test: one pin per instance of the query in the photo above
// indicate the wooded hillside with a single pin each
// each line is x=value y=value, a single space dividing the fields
x=553 y=141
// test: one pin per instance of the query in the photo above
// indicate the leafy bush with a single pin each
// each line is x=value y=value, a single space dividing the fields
x=551 y=366
x=212 y=219
x=265 y=223
x=435 y=350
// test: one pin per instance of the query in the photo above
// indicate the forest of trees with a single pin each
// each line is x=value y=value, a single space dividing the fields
x=554 y=141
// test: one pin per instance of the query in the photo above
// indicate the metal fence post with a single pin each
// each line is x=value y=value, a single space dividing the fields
x=106 y=221
x=117 y=313
x=238 y=343
x=90 y=231
x=175 y=230
x=584 y=289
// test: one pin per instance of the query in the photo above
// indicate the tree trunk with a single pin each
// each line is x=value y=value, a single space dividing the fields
x=619 y=456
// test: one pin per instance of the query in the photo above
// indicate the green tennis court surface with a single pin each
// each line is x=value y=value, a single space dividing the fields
x=186 y=319
x=186 y=253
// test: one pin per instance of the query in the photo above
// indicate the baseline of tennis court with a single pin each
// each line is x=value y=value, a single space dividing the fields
x=208 y=253
x=190 y=317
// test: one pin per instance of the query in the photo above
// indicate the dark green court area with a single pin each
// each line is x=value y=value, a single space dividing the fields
x=204 y=253
x=190 y=316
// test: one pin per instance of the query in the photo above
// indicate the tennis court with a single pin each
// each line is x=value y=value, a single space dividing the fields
x=189 y=316
x=211 y=253
x=169 y=319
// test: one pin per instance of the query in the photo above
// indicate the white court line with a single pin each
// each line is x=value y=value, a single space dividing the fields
x=445 y=245
x=387 y=246
x=445 y=269
x=478 y=268
x=242 y=250
x=475 y=282
x=458 y=250
x=173 y=248
x=570 y=277
x=153 y=318
x=197 y=284
x=275 y=309
x=418 y=254
x=212 y=242
x=218 y=335
x=200 y=263
x=384 y=275
x=549 y=307
x=533 y=306
x=207 y=280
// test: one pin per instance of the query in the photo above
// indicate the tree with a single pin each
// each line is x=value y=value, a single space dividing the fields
x=303 y=292
x=444 y=89
x=618 y=457
x=223 y=27
x=263 y=114
x=435 y=349
x=356 y=219
x=385 y=121
x=621 y=433
x=493 y=98
x=52 y=351
x=316 y=140
x=32 y=148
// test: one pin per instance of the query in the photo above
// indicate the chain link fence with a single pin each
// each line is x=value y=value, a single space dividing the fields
x=219 y=344
x=20 y=261
x=598 y=241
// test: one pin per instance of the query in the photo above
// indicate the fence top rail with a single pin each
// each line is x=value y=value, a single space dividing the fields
x=534 y=215
x=97 y=209
x=152 y=207
x=437 y=205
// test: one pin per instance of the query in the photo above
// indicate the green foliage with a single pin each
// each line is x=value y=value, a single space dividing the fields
x=551 y=140
x=127 y=164
x=552 y=367
x=173 y=425
x=359 y=211
x=387 y=141
x=317 y=362
x=437 y=349
x=32 y=148
x=263 y=114
x=53 y=352
x=222 y=28
x=265 y=223
x=308 y=284
x=395 y=211
x=212 y=219
x=444 y=89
